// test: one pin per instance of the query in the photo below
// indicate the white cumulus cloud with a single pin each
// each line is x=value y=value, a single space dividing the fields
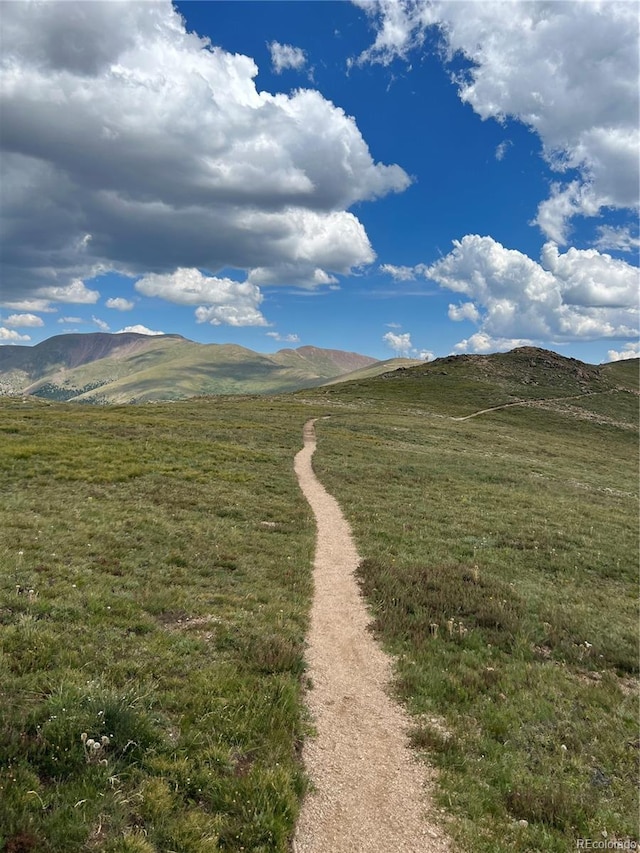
x=399 y=343
x=218 y=300
x=11 y=336
x=286 y=56
x=24 y=320
x=134 y=146
x=426 y=355
x=75 y=292
x=138 y=330
x=464 y=311
x=568 y=70
x=480 y=342
x=30 y=305
x=119 y=303
x=578 y=295
x=630 y=350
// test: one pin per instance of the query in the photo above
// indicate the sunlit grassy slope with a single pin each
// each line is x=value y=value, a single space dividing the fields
x=134 y=368
x=154 y=592
x=155 y=586
x=501 y=567
x=459 y=385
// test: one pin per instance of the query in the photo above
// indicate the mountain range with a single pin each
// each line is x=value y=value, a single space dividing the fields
x=134 y=368
x=129 y=367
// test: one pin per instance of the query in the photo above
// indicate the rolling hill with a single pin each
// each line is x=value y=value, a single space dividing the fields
x=125 y=368
x=461 y=384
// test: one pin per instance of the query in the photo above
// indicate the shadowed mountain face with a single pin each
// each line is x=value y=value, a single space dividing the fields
x=129 y=367
x=69 y=351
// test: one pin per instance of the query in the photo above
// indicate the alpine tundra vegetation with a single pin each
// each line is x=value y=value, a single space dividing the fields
x=156 y=588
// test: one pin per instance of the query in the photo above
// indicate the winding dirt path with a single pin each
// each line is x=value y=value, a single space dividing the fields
x=534 y=403
x=370 y=793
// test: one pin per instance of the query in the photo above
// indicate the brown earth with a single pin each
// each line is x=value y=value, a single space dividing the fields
x=369 y=795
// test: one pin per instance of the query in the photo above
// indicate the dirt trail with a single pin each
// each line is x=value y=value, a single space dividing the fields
x=370 y=794
x=534 y=403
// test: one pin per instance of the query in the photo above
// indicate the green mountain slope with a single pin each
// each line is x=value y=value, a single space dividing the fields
x=460 y=385
x=380 y=367
x=133 y=368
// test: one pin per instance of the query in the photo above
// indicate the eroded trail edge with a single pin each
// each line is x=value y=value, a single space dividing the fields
x=370 y=794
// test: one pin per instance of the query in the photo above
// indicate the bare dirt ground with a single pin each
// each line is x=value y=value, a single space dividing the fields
x=370 y=794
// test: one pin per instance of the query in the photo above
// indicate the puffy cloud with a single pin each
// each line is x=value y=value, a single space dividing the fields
x=400 y=344
x=11 y=336
x=464 y=311
x=24 y=320
x=119 y=303
x=566 y=297
x=631 y=350
x=230 y=315
x=481 y=343
x=131 y=145
x=138 y=330
x=286 y=56
x=288 y=339
x=71 y=320
x=592 y=279
x=426 y=355
x=219 y=300
x=104 y=327
x=567 y=70
x=297 y=275
x=563 y=204
x=76 y=292
x=42 y=305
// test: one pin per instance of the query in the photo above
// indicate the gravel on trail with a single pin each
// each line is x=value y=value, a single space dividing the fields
x=369 y=794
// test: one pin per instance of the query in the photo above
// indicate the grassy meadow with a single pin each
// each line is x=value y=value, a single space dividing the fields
x=156 y=580
x=501 y=567
x=154 y=594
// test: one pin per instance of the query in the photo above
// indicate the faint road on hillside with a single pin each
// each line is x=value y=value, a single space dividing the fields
x=370 y=794
x=534 y=402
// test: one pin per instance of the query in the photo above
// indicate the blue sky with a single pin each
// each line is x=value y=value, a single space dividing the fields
x=393 y=178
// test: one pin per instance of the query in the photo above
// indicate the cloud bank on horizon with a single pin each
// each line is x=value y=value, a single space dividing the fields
x=132 y=145
x=515 y=300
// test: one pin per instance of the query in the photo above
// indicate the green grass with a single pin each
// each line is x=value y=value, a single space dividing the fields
x=155 y=588
x=460 y=385
x=154 y=593
x=501 y=568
